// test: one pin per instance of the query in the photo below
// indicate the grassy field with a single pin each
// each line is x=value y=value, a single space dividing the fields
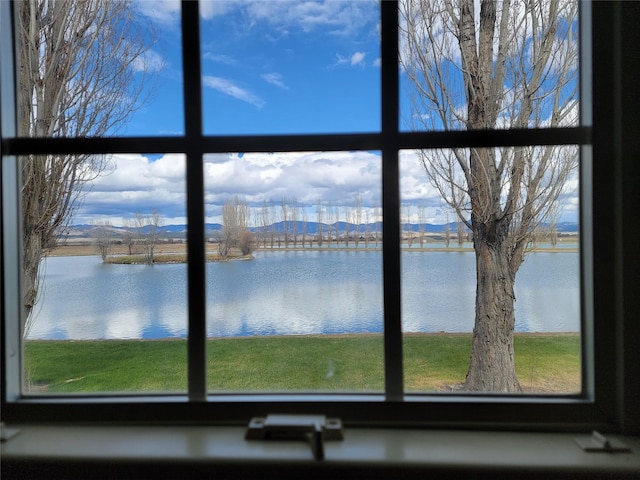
x=438 y=362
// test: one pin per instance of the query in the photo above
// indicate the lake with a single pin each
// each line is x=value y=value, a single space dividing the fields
x=293 y=293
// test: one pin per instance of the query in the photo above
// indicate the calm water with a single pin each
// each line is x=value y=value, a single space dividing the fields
x=285 y=292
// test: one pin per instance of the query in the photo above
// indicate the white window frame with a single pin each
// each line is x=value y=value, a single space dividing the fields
x=605 y=400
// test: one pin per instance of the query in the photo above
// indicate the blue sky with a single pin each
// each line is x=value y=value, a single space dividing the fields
x=271 y=67
x=268 y=67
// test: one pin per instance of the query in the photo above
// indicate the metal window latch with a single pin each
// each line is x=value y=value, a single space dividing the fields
x=316 y=429
x=596 y=442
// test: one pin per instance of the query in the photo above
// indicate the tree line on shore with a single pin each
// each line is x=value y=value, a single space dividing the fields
x=245 y=228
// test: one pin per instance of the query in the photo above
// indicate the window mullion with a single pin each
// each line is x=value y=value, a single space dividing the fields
x=391 y=203
x=197 y=346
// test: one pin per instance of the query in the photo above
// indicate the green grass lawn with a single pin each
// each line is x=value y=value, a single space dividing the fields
x=544 y=363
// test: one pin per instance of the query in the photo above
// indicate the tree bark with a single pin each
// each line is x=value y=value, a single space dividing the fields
x=491 y=366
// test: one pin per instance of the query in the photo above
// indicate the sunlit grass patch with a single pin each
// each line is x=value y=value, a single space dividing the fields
x=548 y=363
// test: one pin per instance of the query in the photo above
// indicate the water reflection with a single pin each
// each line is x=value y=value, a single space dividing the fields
x=285 y=292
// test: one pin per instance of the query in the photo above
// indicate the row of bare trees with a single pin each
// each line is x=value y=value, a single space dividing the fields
x=140 y=235
x=286 y=224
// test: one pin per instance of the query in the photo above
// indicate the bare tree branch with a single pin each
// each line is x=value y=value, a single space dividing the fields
x=81 y=74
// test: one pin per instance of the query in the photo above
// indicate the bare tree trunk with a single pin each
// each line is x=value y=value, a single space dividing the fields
x=304 y=225
x=492 y=345
x=319 y=227
x=295 y=212
x=461 y=233
x=32 y=254
x=357 y=216
x=81 y=74
x=103 y=239
x=347 y=218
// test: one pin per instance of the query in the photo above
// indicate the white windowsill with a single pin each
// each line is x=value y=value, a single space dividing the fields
x=169 y=450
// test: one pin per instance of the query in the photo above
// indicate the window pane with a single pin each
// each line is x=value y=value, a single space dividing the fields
x=112 y=281
x=456 y=271
x=294 y=285
x=99 y=69
x=515 y=67
x=290 y=67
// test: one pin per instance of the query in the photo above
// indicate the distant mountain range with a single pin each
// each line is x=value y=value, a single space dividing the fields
x=179 y=231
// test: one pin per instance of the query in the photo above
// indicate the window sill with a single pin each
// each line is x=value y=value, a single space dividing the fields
x=193 y=452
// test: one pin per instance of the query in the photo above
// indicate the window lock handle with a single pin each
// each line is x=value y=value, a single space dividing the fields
x=316 y=429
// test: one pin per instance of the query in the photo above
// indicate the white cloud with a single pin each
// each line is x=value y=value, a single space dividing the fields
x=136 y=183
x=140 y=184
x=219 y=58
x=227 y=87
x=275 y=79
x=355 y=59
x=150 y=61
x=167 y=12
x=338 y=17
x=358 y=58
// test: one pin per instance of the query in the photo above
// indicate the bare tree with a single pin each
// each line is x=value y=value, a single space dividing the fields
x=82 y=72
x=264 y=222
x=273 y=218
x=246 y=242
x=347 y=222
x=408 y=226
x=235 y=228
x=512 y=64
x=377 y=224
x=367 y=228
x=103 y=233
x=320 y=219
x=447 y=228
x=129 y=235
x=285 y=213
x=295 y=213
x=552 y=226
x=148 y=229
x=446 y=234
x=230 y=233
x=357 y=216
x=333 y=228
x=303 y=226
x=329 y=221
x=461 y=233
x=422 y=220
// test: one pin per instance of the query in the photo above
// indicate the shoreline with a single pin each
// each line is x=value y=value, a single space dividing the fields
x=328 y=336
x=212 y=249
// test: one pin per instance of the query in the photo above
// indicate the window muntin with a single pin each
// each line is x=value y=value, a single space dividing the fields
x=371 y=142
